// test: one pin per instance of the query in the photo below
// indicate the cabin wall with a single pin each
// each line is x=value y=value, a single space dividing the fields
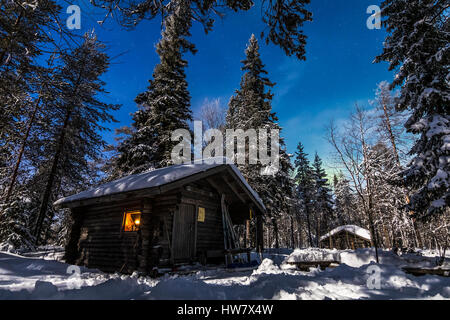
x=210 y=232
x=102 y=244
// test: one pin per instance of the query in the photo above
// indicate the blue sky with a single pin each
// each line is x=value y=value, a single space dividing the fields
x=337 y=73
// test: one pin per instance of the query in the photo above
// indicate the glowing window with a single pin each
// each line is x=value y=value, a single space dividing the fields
x=131 y=221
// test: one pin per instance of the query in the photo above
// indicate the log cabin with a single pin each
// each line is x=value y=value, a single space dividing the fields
x=346 y=237
x=162 y=218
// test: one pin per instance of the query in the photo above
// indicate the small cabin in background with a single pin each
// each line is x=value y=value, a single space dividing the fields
x=346 y=237
x=179 y=214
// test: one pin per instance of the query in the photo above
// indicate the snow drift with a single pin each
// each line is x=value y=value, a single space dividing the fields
x=37 y=278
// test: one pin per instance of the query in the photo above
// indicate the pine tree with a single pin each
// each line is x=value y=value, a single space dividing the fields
x=15 y=224
x=323 y=201
x=250 y=108
x=28 y=139
x=417 y=46
x=24 y=34
x=304 y=181
x=28 y=30
x=73 y=135
x=165 y=106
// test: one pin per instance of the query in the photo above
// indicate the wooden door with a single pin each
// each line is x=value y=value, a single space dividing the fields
x=183 y=237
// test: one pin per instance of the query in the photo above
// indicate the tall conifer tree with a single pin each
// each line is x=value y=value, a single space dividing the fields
x=323 y=201
x=165 y=106
x=73 y=133
x=250 y=108
x=417 y=47
x=24 y=34
x=305 y=187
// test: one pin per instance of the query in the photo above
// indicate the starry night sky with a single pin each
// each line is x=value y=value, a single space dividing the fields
x=337 y=73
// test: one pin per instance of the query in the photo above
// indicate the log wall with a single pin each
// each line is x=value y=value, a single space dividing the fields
x=102 y=243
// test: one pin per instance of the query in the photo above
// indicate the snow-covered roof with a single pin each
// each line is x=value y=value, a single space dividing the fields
x=155 y=178
x=361 y=232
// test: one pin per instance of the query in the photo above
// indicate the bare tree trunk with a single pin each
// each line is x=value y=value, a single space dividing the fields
x=308 y=220
x=51 y=179
x=299 y=233
x=25 y=138
x=391 y=134
x=418 y=236
x=370 y=194
x=259 y=235
x=22 y=149
x=276 y=234
x=317 y=231
x=292 y=232
x=48 y=189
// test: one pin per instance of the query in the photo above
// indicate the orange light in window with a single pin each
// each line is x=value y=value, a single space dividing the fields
x=132 y=221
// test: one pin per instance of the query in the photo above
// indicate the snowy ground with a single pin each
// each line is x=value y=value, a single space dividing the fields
x=46 y=278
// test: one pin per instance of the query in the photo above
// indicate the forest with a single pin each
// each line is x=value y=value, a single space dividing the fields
x=390 y=161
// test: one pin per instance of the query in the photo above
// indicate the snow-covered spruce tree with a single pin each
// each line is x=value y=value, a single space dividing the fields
x=15 y=224
x=323 y=200
x=304 y=181
x=250 y=108
x=417 y=47
x=73 y=135
x=165 y=106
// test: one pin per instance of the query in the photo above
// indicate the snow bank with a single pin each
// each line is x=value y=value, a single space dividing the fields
x=267 y=266
x=360 y=257
x=33 y=278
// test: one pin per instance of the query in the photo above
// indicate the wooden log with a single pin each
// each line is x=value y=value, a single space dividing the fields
x=427 y=271
x=305 y=265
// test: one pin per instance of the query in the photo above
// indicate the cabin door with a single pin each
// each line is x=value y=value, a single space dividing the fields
x=183 y=238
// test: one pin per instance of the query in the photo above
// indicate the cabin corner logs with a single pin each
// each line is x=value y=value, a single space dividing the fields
x=170 y=231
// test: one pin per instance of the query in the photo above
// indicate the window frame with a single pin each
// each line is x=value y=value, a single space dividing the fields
x=125 y=214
